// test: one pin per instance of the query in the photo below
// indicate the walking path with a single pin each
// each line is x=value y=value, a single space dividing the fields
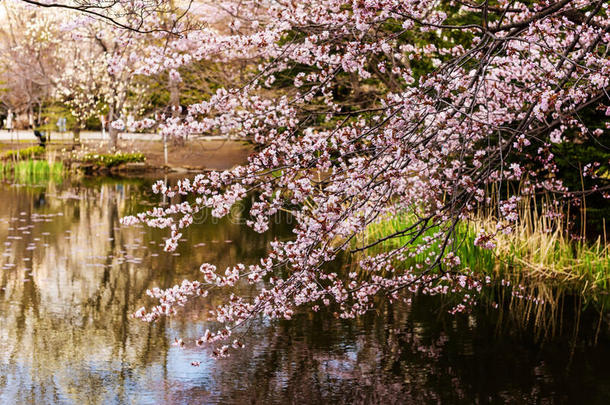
x=198 y=153
x=28 y=135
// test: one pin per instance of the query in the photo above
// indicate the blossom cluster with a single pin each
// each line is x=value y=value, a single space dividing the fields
x=425 y=127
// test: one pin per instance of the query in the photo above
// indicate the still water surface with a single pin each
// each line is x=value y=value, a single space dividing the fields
x=71 y=276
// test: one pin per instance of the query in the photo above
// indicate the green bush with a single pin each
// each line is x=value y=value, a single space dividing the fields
x=111 y=160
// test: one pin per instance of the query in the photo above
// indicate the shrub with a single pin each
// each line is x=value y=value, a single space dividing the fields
x=111 y=160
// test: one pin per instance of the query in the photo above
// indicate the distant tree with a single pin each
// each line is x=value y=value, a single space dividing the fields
x=29 y=59
x=88 y=65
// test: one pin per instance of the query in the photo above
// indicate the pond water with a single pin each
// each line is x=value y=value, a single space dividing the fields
x=71 y=276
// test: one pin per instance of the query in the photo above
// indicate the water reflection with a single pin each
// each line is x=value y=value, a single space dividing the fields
x=70 y=276
x=70 y=279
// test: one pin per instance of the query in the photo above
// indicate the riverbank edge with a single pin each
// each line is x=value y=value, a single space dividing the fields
x=68 y=155
x=534 y=251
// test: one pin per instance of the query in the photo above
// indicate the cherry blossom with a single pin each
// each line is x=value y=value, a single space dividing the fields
x=366 y=109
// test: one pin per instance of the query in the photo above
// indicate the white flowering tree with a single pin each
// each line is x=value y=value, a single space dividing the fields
x=101 y=73
x=29 y=58
x=365 y=109
x=89 y=66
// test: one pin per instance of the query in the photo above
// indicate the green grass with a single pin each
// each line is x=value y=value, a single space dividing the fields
x=540 y=248
x=539 y=259
x=23 y=154
x=111 y=160
x=32 y=171
x=537 y=249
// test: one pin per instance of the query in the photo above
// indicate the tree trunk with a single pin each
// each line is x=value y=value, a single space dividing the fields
x=174 y=99
x=76 y=136
x=113 y=133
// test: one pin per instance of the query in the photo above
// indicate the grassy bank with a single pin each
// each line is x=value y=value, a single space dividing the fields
x=113 y=159
x=31 y=171
x=23 y=154
x=538 y=249
x=36 y=162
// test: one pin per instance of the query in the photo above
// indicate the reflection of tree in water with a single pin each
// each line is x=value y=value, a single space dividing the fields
x=54 y=327
x=409 y=355
x=85 y=284
x=67 y=332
